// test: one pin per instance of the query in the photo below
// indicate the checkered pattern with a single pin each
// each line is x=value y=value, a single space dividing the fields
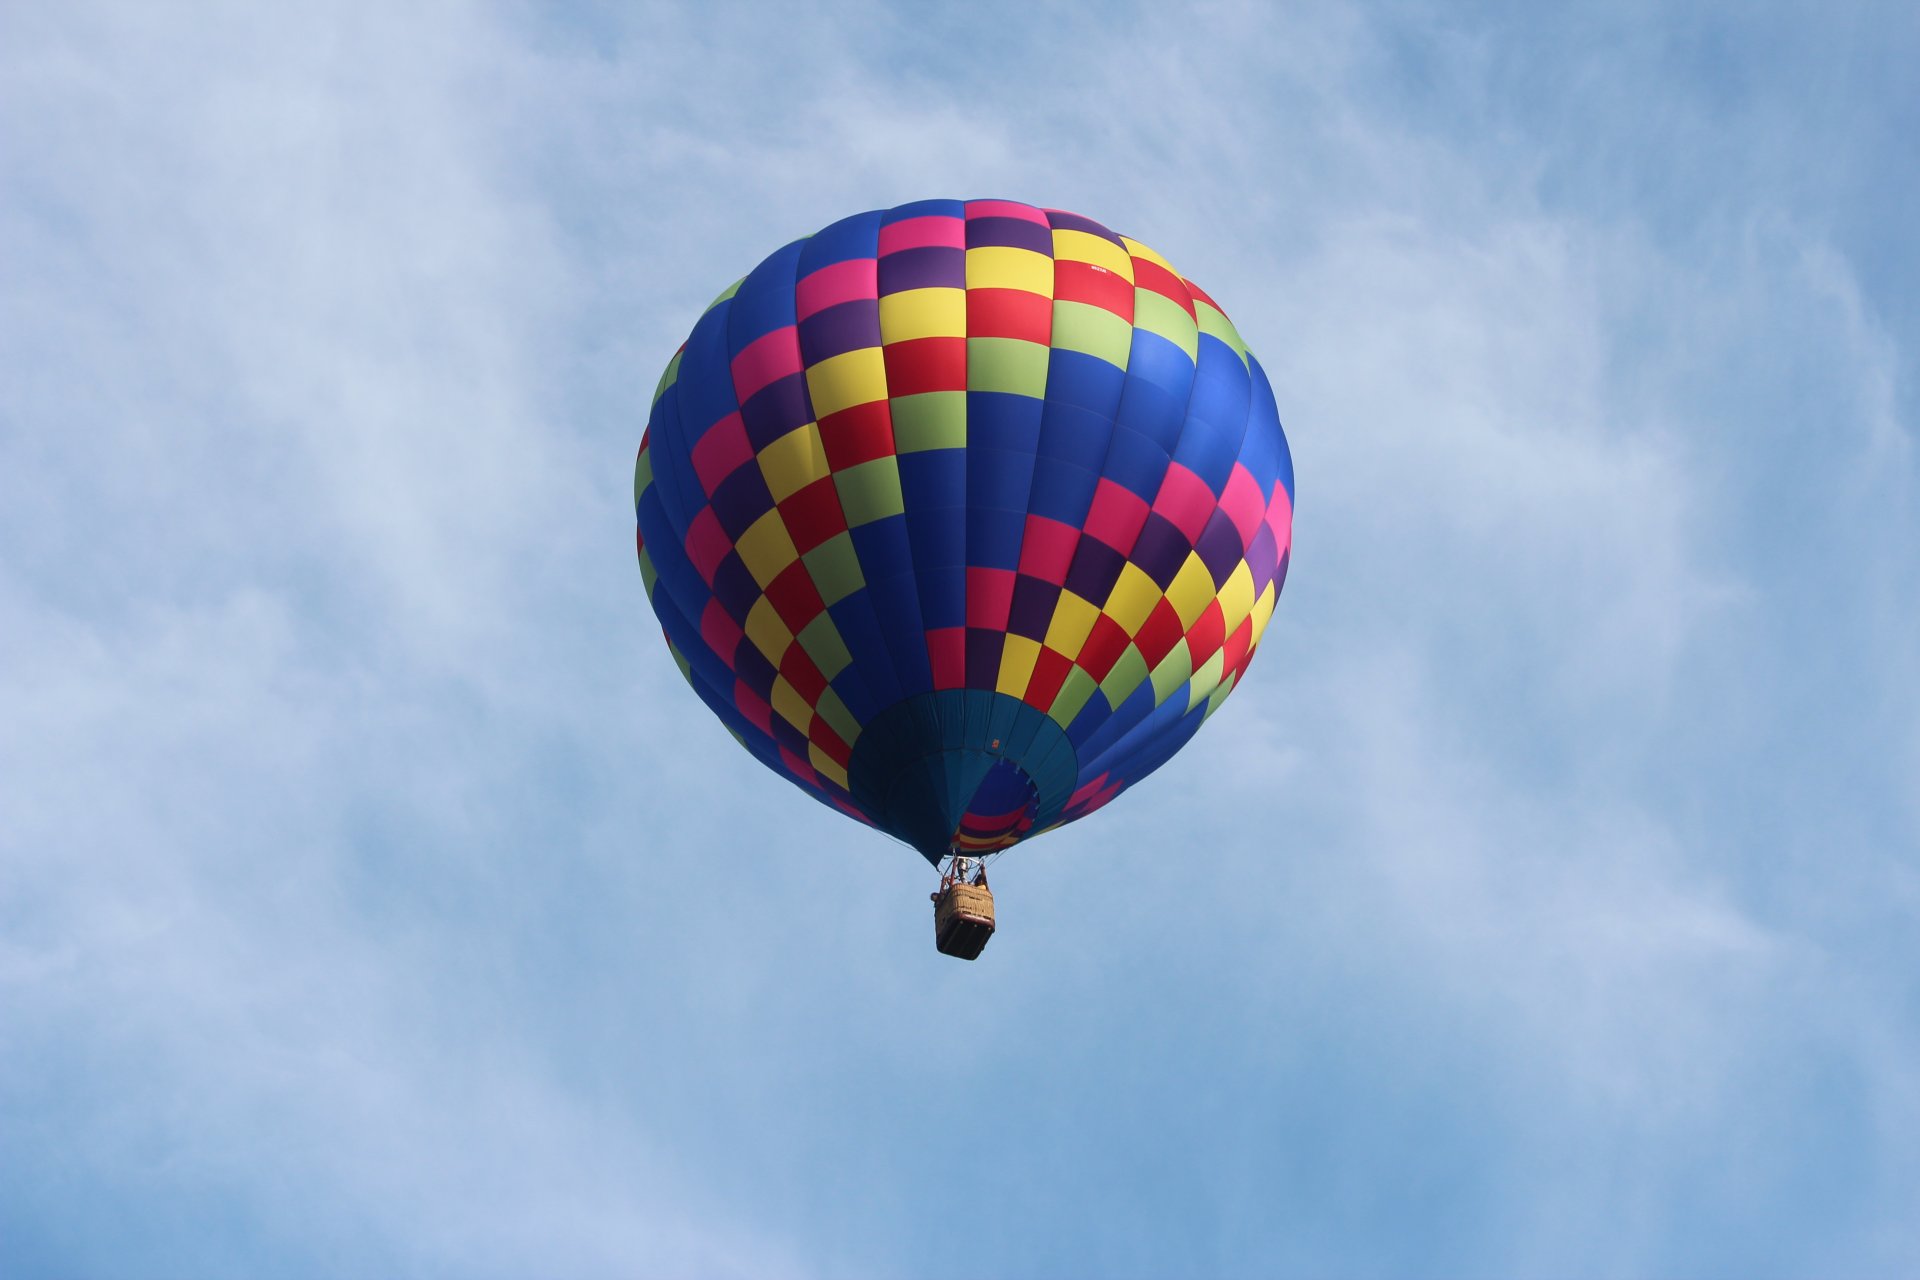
x=964 y=445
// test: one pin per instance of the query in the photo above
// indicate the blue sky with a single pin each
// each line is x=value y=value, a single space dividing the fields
x=375 y=899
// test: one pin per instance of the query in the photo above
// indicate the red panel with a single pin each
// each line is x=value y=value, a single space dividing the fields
x=821 y=734
x=856 y=435
x=799 y=671
x=926 y=364
x=989 y=598
x=1208 y=633
x=1233 y=653
x=1097 y=286
x=1050 y=671
x=794 y=597
x=1105 y=643
x=1009 y=313
x=947 y=652
x=813 y=514
x=1151 y=275
x=1158 y=635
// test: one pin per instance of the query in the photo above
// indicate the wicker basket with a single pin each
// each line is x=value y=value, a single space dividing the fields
x=963 y=920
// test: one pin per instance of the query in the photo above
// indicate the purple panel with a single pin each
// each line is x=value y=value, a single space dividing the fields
x=1033 y=604
x=1161 y=549
x=1017 y=233
x=928 y=268
x=1219 y=547
x=1063 y=221
x=847 y=326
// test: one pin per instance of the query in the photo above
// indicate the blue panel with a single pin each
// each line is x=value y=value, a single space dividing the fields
x=943 y=596
x=1063 y=492
x=883 y=548
x=855 y=237
x=1076 y=436
x=1159 y=380
x=994 y=537
x=938 y=538
x=672 y=470
x=896 y=606
x=998 y=478
x=765 y=299
x=1217 y=415
x=1002 y=420
x=934 y=478
x=1088 y=382
x=925 y=209
x=1136 y=463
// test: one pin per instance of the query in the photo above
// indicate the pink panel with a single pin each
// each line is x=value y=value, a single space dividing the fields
x=1185 y=500
x=934 y=230
x=766 y=360
x=851 y=281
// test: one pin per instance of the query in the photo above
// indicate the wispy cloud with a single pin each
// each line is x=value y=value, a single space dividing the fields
x=375 y=898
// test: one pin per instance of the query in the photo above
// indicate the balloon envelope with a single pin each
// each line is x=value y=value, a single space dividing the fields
x=963 y=516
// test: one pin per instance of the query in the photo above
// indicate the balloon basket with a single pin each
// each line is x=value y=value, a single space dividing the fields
x=962 y=913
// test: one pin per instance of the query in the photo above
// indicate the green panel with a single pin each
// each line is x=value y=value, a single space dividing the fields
x=1126 y=676
x=1007 y=364
x=835 y=713
x=648 y=575
x=821 y=640
x=1174 y=670
x=1157 y=313
x=1073 y=695
x=667 y=378
x=870 y=491
x=930 y=420
x=1081 y=326
x=1216 y=325
x=642 y=474
x=834 y=567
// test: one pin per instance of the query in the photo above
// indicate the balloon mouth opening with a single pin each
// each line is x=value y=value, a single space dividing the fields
x=999 y=814
x=962 y=770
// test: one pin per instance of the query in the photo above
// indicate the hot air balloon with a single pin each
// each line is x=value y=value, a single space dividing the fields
x=962 y=517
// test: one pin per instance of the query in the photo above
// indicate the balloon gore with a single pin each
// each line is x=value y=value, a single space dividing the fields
x=963 y=516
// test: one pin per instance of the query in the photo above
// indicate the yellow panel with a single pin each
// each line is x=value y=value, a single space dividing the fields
x=1133 y=596
x=826 y=764
x=923 y=313
x=793 y=462
x=1084 y=246
x=1072 y=620
x=1262 y=610
x=767 y=548
x=793 y=708
x=1236 y=596
x=1004 y=267
x=769 y=635
x=842 y=381
x=1191 y=590
x=1016 y=665
x=1139 y=250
